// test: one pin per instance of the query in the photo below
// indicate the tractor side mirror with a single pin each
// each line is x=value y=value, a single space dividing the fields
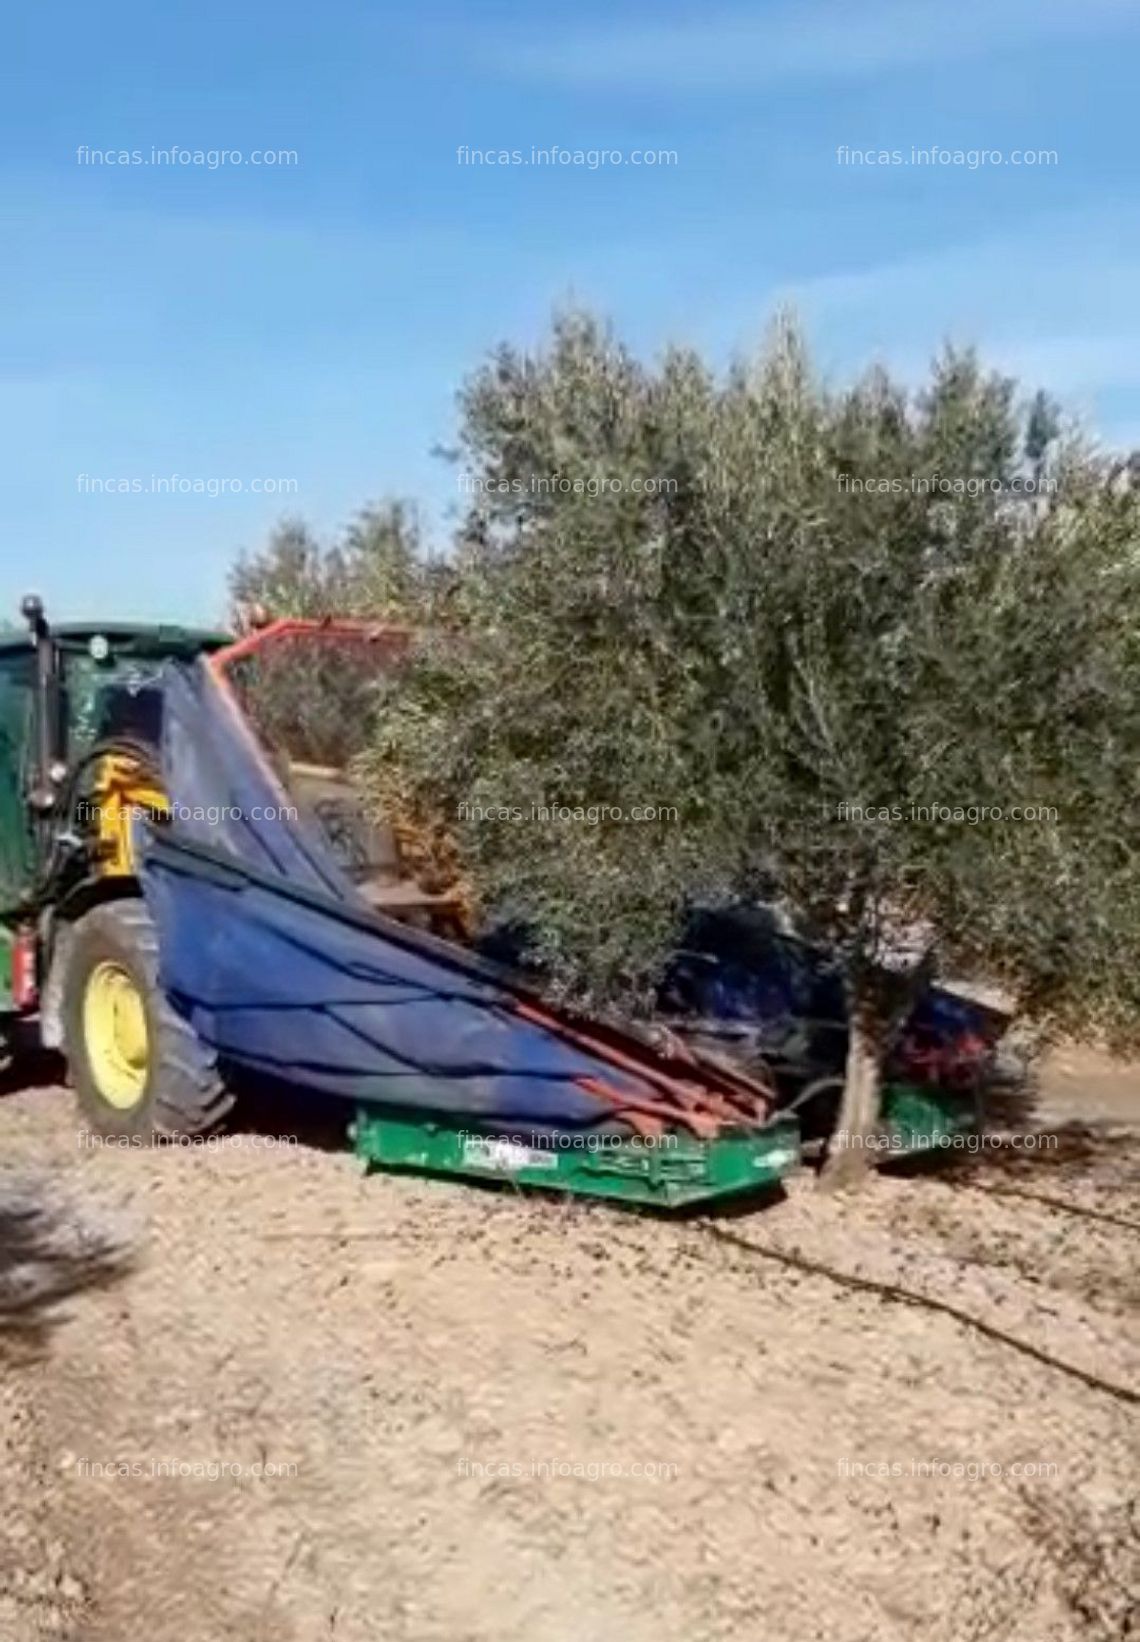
x=32 y=610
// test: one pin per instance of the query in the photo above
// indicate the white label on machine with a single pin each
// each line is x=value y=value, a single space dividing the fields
x=490 y=1152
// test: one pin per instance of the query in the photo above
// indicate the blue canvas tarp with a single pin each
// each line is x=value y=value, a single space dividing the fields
x=269 y=952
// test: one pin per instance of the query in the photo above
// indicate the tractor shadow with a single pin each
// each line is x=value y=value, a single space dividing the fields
x=279 y=1111
x=29 y=1067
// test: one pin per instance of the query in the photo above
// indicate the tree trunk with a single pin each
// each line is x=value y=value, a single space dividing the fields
x=849 y=1150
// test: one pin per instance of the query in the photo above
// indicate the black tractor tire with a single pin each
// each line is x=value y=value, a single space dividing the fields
x=181 y=1089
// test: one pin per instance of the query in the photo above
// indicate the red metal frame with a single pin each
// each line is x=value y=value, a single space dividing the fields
x=710 y=1098
x=285 y=627
x=24 y=973
x=327 y=627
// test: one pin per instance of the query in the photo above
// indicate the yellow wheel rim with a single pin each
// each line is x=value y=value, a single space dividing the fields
x=116 y=1037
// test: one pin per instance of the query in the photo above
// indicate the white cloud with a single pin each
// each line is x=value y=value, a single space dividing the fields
x=832 y=39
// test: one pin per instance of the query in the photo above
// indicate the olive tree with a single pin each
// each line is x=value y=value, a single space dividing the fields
x=870 y=654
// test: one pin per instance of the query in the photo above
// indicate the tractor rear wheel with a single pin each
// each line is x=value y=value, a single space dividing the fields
x=138 y=1068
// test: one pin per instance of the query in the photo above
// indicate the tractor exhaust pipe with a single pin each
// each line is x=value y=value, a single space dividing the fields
x=41 y=794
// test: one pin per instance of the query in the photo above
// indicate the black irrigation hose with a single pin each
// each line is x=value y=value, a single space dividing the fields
x=1053 y=1203
x=891 y=1291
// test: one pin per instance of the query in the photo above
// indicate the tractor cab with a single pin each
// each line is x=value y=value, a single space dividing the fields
x=69 y=694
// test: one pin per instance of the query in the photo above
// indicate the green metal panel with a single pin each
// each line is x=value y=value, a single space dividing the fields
x=17 y=847
x=924 y=1120
x=670 y=1174
x=7 y=1003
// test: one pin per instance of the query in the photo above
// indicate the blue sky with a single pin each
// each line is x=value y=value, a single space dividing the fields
x=310 y=323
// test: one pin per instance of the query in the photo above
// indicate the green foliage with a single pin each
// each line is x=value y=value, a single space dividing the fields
x=377 y=569
x=313 y=701
x=777 y=610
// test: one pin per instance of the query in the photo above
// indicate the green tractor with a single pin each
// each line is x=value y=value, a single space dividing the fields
x=80 y=720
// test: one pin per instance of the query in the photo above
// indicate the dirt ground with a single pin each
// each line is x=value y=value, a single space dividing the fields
x=325 y=1406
